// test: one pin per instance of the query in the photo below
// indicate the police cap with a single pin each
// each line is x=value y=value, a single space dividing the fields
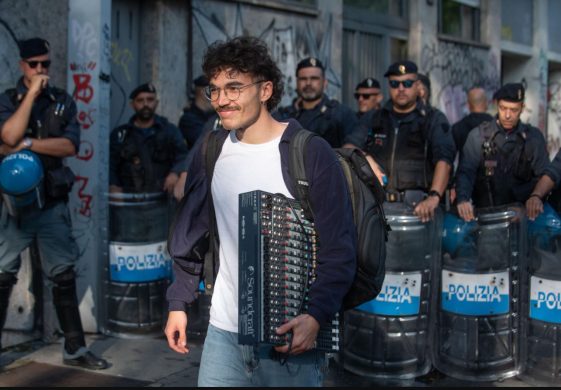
x=400 y=68
x=310 y=62
x=33 y=47
x=424 y=79
x=200 y=81
x=147 y=87
x=512 y=92
x=368 y=83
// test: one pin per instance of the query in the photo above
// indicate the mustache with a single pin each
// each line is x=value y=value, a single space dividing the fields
x=227 y=108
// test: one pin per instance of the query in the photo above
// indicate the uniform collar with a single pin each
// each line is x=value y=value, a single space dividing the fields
x=321 y=106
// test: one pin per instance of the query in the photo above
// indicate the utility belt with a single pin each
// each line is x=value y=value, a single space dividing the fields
x=409 y=197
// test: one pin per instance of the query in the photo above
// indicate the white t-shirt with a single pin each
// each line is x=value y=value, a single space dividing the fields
x=240 y=168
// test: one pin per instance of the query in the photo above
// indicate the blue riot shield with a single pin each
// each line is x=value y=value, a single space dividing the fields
x=388 y=337
x=542 y=316
x=477 y=323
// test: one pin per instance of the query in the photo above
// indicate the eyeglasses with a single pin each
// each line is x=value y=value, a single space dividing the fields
x=365 y=96
x=406 y=83
x=33 y=64
x=232 y=92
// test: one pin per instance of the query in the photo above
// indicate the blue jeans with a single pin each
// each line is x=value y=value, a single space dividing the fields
x=226 y=363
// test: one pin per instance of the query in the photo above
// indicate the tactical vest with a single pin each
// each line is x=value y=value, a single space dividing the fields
x=402 y=150
x=145 y=159
x=505 y=172
x=49 y=117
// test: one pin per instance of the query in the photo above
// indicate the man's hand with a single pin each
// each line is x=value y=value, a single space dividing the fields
x=465 y=210
x=534 y=207
x=169 y=183
x=425 y=209
x=178 y=190
x=38 y=83
x=305 y=329
x=176 y=331
x=5 y=149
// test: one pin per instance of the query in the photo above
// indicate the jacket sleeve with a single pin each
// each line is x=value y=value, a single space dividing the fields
x=355 y=131
x=553 y=170
x=181 y=150
x=333 y=218
x=469 y=163
x=188 y=239
x=442 y=141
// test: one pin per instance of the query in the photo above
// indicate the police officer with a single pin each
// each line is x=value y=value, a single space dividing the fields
x=368 y=96
x=198 y=113
x=549 y=181
x=477 y=105
x=147 y=154
x=317 y=112
x=411 y=144
x=41 y=118
x=501 y=159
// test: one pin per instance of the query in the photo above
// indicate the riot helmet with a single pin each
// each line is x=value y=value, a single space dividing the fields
x=21 y=181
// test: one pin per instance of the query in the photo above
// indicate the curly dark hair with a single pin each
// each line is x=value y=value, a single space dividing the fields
x=246 y=55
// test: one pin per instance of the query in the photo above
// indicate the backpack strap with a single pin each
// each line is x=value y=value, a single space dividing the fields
x=211 y=149
x=297 y=171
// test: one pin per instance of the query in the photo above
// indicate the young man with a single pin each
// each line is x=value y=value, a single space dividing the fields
x=502 y=160
x=245 y=85
x=41 y=118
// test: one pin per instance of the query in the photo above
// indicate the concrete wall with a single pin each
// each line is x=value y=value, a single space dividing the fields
x=163 y=53
x=290 y=36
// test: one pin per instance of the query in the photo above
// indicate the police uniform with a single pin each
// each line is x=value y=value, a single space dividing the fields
x=335 y=122
x=408 y=146
x=193 y=119
x=53 y=115
x=498 y=166
x=141 y=159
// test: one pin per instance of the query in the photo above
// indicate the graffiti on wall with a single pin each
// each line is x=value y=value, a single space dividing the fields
x=457 y=68
x=288 y=44
x=85 y=46
x=554 y=118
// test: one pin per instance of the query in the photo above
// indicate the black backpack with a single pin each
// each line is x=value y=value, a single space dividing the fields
x=367 y=197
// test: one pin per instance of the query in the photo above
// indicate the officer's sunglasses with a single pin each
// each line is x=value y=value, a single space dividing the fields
x=365 y=96
x=33 y=64
x=406 y=83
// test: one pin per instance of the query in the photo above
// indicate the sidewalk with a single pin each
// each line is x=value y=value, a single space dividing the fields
x=148 y=362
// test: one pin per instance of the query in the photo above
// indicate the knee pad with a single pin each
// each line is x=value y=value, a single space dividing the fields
x=64 y=289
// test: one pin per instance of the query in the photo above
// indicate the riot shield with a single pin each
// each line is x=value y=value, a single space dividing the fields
x=477 y=288
x=541 y=352
x=388 y=337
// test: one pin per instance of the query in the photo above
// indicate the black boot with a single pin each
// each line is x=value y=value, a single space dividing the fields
x=7 y=282
x=66 y=305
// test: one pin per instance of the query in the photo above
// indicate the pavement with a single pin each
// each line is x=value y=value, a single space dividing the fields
x=146 y=361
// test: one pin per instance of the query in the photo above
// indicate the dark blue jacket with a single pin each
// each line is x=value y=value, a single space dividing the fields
x=333 y=218
x=521 y=159
x=553 y=169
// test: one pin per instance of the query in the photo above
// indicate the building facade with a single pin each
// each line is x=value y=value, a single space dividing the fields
x=102 y=49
